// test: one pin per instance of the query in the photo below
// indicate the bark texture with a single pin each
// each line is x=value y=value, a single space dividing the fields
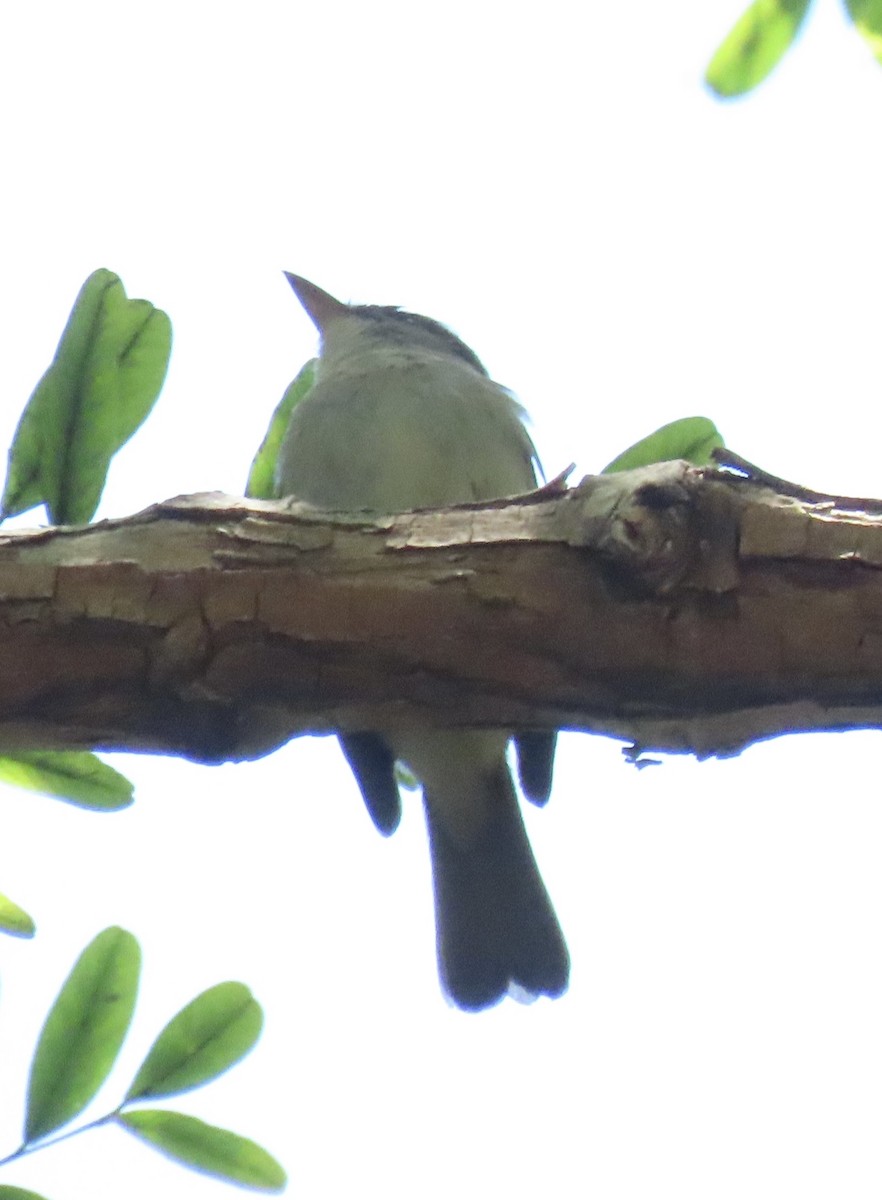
x=677 y=608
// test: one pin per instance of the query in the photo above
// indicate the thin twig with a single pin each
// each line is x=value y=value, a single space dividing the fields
x=729 y=461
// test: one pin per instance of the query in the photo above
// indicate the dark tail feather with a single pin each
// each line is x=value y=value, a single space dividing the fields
x=495 y=923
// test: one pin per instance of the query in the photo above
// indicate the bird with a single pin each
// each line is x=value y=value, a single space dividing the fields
x=402 y=415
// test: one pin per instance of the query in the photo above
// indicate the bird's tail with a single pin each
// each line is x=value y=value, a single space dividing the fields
x=495 y=924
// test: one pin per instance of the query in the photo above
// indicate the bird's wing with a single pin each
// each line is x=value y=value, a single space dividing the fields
x=535 y=754
x=373 y=765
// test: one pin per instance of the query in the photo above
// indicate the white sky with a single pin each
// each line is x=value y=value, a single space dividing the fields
x=620 y=249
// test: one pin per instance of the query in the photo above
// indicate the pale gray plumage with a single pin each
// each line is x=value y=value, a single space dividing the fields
x=403 y=415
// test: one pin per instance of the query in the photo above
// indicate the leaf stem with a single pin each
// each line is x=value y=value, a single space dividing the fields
x=30 y=1147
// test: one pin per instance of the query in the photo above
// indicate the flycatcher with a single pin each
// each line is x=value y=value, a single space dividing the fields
x=403 y=415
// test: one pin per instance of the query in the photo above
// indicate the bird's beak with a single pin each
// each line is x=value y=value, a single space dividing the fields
x=320 y=306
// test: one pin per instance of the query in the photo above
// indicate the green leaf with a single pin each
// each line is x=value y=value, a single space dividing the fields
x=201 y=1042
x=207 y=1148
x=104 y=380
x=690 y=438
x=83 y=1032
x=756 y=44
x=15 y=920
x=72 y=775
x=867 y=17
x=262 y=476
x=7 y=1192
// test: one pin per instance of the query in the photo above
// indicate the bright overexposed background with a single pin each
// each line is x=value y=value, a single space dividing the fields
x=620 y=249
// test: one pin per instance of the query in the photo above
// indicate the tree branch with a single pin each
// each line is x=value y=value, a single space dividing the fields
x=677 y=608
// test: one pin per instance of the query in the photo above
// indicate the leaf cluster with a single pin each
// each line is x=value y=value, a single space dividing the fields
x=764 y=33
x=79 y=1044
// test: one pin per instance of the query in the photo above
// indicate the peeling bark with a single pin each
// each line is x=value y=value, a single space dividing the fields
x=674 y=607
